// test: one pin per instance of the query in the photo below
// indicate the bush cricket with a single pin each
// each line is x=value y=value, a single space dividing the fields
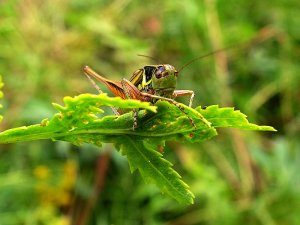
x=153 y=82
x=150 y=83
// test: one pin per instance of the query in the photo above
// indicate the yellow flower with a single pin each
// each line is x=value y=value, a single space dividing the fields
x=41 y=172
x=69 y=175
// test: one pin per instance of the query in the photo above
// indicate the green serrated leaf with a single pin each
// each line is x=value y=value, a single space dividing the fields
x=143 y=155
x=80 y=121
x=228 y=117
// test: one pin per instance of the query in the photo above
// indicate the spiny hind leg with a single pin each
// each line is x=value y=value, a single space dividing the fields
x=172 y=101
x=178 y=93
x=94 y=84
x=135 y=119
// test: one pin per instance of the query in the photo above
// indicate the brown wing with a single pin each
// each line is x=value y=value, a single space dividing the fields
x=130 y=90
x=115 y=87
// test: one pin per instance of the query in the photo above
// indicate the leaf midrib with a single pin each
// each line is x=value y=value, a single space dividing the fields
x=158 y=171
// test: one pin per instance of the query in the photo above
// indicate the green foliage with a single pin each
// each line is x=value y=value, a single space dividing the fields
x=1 y=95
x=237 y=178
x=78 y=122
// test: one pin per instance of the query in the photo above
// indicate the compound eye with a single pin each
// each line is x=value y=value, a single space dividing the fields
x=159 y=72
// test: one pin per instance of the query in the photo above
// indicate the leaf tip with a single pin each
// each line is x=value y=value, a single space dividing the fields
x=57 y=106
x=267 y=128
x=153 y=108
x=44 y=122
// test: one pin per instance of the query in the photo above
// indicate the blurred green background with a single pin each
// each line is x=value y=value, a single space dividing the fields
x=239 y=177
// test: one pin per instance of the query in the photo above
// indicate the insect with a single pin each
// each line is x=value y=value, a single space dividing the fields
x=150 y=83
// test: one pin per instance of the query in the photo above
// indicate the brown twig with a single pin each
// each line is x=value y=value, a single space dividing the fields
x=102 y=165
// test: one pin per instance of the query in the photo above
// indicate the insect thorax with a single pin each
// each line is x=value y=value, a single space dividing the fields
x=146 y=82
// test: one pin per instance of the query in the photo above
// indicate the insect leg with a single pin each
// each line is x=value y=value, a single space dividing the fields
x=135 y=119
x=131 y=92
x=94 y=84
x=178 y=93
x=172 y=101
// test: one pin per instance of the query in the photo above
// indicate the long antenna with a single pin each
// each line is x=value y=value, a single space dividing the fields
x=242 y=44
x=147 y=56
